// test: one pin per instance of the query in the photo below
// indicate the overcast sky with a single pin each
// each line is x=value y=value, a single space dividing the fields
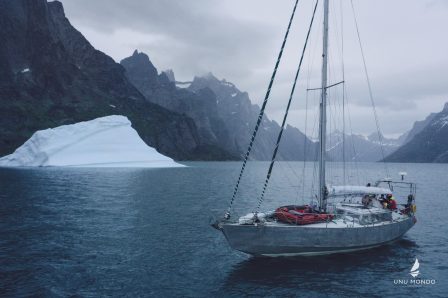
x=404 y=41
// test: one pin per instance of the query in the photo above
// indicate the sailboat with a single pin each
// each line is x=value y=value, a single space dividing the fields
x=346 y=218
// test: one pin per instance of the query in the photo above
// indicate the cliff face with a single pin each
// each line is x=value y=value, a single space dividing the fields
x=222 y=113
x=160 y=89
x=50 y=75
x=427 y=141
x=240 y=116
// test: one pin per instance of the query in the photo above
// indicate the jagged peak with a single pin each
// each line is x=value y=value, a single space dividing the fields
x=137 y=54
x=170 y=75
x=140 y=61
x=210 y=75
x=58 y=6
x=140 y=56
x=445 y=107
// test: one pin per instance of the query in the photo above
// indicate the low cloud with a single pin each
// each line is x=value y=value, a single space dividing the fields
x=239 y=41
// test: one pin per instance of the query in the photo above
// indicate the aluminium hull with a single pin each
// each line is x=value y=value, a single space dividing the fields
x=273 y=239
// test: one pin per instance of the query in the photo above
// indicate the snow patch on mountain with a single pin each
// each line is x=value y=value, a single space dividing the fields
x=441 y=123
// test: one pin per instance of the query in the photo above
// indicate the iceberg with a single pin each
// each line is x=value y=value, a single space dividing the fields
x=103 y=142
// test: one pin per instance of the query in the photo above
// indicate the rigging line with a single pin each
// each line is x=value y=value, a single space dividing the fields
x=260 y=116
x=333 y=117
x=271 y=141
x=335 y=95
x=343 y=96
x=336 y=100
x=334 y=113
x=330 y=119
x=328 y=87
x=274 y=154
x=316 y=148
x=315 y=133
x=305 y=144
x=355 y=154
x=380 y=136
x=311 y=60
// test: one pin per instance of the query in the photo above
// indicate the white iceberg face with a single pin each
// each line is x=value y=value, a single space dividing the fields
x=103 y=142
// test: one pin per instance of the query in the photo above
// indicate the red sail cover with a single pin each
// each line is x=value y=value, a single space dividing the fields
x=300 y=215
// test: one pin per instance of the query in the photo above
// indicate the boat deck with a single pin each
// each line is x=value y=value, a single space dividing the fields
x=340 y=223
x=344 y=221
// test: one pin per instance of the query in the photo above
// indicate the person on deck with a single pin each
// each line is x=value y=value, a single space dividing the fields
x=383 y=201
x=410 y=200
x=408 y=206
x=391 y=203
x=366 y=201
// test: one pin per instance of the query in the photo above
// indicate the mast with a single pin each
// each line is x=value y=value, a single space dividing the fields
x=323 y=114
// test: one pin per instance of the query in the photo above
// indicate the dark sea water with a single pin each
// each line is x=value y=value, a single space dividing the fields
x=145 y=232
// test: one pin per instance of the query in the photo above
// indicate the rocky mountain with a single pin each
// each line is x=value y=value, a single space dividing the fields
x=51 y=75
x=426 y=142
x=159 y=89
x=240 y=116
x=418 y=127
x=359 y=147
x=220 y=110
